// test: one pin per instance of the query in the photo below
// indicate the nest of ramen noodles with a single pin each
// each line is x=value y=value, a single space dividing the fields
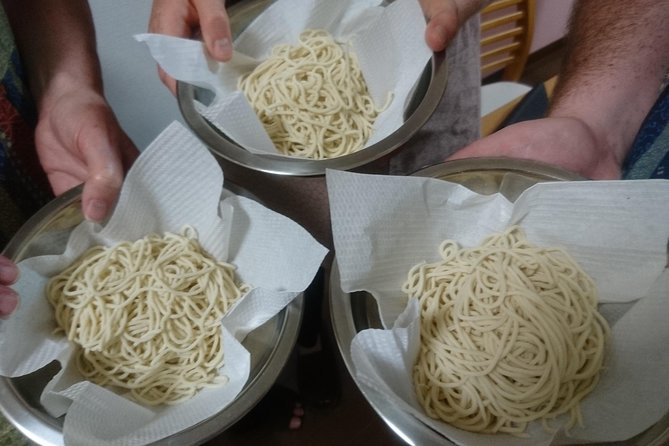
x=146 y=315
x=510 y=333
x=312 y=98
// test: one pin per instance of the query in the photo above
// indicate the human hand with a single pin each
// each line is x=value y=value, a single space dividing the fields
x=184 y=18
x=78 y=141
x=187 y=18
x=444 y=18
x=563 y=142
x=9 y=273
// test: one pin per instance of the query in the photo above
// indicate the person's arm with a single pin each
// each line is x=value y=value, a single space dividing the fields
x=78 y=137
x=617 y=56
x=187 y=18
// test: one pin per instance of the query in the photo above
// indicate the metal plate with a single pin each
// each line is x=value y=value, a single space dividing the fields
x=270 y=345
x=354 y=312
x=424 y=100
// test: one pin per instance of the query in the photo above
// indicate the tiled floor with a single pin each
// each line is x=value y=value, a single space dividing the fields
x=351 y=422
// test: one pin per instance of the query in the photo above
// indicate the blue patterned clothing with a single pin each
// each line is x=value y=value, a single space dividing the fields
x=649 y=156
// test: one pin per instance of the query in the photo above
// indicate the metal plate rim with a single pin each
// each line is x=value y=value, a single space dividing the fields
x=45 y=430
x=233 y=152
x=410 y=429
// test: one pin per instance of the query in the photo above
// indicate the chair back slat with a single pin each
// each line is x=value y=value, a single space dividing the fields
x=507 y=28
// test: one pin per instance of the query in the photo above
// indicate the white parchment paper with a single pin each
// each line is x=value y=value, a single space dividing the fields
x=388 y=41
x=175 y=182
x=617 y=231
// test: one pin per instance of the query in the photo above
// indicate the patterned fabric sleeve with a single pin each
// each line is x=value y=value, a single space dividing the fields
x=23 y=184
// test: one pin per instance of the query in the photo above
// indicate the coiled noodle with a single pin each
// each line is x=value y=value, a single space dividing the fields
x=146 y=315
x=312 y=98
x=510 y=333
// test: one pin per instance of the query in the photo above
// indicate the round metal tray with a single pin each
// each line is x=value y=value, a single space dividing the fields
x=424 y=100
x=270 y=345
x=354 y=312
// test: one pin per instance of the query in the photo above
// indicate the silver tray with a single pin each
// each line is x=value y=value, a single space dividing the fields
x=424 y=100
x=270 y=345
x=354 y=312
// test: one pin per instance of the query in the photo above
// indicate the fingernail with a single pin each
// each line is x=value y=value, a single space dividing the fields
x=223 y=48
x=8 y=271
x=9 y=300
x=96 y=210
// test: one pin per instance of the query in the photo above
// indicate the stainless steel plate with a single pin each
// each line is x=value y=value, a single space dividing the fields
x=354 y=312
x=270 y=345
x=424 y=100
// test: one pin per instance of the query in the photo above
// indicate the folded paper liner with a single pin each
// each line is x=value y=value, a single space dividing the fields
x=175 y=182
x=616 y=230
x=388 y=41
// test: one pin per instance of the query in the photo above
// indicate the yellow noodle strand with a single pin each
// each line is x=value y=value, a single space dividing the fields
x=510 y=333
x=146 y=315
x=312 y=98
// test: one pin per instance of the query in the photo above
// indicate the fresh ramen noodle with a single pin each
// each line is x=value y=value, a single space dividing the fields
x=510 y=333
x=146 y=315
x=312 y=98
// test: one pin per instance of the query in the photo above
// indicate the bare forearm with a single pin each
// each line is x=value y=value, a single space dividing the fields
x=56 y=40
x=617 y=57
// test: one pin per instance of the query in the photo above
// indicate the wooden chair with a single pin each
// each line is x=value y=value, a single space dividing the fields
x=507 y=28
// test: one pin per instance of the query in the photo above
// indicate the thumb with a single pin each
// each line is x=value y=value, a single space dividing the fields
x=104 y=179
x=442 y=22
x=215 y=26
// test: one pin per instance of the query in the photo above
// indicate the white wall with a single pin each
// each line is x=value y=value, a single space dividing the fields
x=551 y=21
x=142 y=104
